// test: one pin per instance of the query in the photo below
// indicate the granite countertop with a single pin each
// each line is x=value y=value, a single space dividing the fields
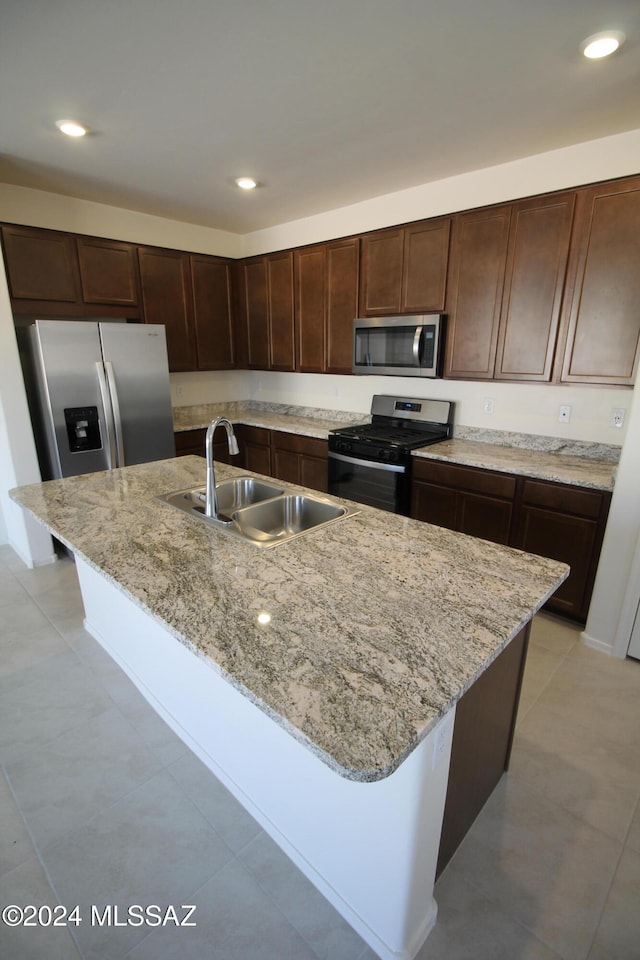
x=546 y=458
x=305 y=421
x=378 y=623
x=541 y=464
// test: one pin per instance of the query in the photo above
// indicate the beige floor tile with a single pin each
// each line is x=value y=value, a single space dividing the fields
x=618 y=935
x=633 y=837
x=555 y=634
x=588 y=774
x=547 y=869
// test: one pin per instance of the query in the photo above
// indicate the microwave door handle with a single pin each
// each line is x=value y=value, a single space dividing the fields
x=417 y=344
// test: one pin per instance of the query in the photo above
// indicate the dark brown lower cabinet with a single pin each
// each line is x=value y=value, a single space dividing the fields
x=564 y=523
x=255 y=449
x=298 y=459
x=479 y=502
x=482 y=739
x=555 y=520
x=192 y=442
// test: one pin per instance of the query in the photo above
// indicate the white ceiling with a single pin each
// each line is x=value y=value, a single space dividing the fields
x=324 y=102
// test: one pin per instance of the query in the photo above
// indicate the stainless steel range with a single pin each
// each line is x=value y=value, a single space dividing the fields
x=371 y=462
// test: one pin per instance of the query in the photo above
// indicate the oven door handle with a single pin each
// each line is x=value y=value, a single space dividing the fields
x=372 y=464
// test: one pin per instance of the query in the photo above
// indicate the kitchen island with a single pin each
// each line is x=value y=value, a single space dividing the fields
x=318 y=679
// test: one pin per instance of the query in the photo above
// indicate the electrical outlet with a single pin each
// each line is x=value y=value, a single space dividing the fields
x=488 y=405
x=564 y=413
x=179 y=390
x=617 y=416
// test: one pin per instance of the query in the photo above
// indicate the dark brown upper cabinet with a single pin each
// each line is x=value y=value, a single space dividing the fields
x=64 y=275
x=508 y=268
x=534 y=283
x=41 y=265
x=477 y=264
x=311 y=307
x=602 y=321
x=342 y=278
x=326 y=303
x=108 y=272
x=165 y=277
x=213 y=319
x=404 y=270
x=253 y=279
x=266 y=296
x=281 y=311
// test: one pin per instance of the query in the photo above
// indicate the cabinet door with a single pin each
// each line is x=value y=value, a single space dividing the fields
x=256 y=312
x=535 y=276
x=604 y=319
x=310 y=308
x=382 y=258
x=342 y=276
x=41 y=265
x=476 y=280
x=299 y=459
x=424 y=275
x=190 y=442
x=564 y=523
x=255 y=448
x=165 y=279
x=211 y=279
x=281 y=311
x=466 y=499
x=108 y=272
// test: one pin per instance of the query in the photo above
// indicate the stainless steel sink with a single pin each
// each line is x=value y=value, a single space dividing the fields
x=259 y=513
x=285 y=517
x=232 y=495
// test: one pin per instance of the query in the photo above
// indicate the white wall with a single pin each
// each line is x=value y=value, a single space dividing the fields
x=35 y=208
x=603 y=159
x=523 y=408
x=18 y=460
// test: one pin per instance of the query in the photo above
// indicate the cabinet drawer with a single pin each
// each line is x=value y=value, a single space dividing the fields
x=300 y=444
x=465 y=478
x=190 y=441
x=254 y=435
x=555 y=496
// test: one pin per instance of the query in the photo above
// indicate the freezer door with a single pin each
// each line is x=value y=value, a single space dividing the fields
x=137 y=369
x=73 y=435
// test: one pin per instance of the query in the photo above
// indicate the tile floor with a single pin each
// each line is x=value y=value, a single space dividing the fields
x=101 y=803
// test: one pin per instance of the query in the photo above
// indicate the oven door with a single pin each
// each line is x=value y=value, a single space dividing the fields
x=382 y=485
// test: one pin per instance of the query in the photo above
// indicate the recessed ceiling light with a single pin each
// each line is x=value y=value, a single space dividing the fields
x=246 y=183
x=602 y=44
x=71 y=128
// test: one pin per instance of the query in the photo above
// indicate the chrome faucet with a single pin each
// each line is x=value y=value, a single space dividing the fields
x=211 y=500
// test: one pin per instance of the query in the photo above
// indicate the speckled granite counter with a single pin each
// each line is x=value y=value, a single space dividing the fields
x=544 y=465
x=546 y=458
x=305 y=421
x=378 y=623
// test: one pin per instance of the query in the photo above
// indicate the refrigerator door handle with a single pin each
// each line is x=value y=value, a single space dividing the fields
x=108 y=414
x=115 y=405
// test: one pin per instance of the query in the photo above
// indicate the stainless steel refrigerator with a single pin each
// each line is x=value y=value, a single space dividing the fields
x=99 y=394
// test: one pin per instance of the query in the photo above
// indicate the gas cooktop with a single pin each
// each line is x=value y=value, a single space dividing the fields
x=401 y=422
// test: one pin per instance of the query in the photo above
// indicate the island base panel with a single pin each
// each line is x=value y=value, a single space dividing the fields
x=482 y=739
x=371 y=848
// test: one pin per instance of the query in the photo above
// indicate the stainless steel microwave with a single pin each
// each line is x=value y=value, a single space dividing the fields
x=399 y=346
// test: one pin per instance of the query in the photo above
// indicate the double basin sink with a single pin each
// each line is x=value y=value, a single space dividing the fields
x=258 y=512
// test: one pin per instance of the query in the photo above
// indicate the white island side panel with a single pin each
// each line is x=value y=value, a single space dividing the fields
x=370 y=848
